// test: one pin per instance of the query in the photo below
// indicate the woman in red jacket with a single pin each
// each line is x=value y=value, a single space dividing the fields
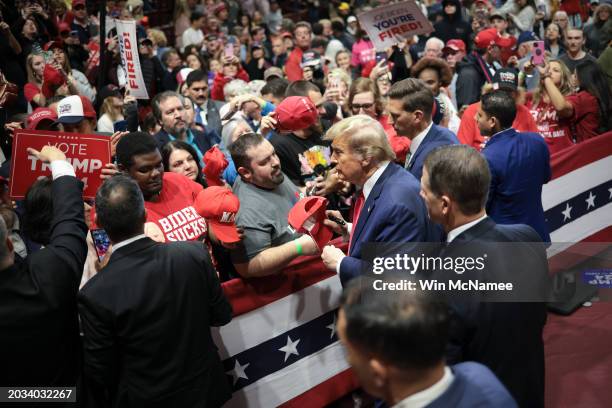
x=232 y=69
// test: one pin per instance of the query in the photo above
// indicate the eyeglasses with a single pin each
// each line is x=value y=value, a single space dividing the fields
x=365 y=106
x=79 y=7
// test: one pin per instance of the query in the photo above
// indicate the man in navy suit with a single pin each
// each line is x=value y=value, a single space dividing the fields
x=395 y=340
x=410 y=110
x=519 y=163
x=506 y=336
x=388 y=208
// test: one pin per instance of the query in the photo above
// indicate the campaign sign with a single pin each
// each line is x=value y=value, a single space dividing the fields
x=388 y=25
x=128 y=46
x=87 y=154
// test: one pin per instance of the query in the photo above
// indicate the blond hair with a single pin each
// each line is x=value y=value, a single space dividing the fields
x=158 y=37
x=364 y=136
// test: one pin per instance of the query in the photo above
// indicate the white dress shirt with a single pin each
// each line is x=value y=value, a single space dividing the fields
x=416 y=142
x=366 y=190
x=61 y=168
x=127 y=241
x=454 y=233
x=428 y=395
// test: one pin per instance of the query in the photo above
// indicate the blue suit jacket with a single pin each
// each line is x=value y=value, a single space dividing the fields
x=520 y=165
x=394 y=212
x=437 y=136
x=474 y=385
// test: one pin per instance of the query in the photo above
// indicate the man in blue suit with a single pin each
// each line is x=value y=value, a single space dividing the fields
x=519 y=163
x=388 y=208
x=506 y=335
x=410 y=110
x=395 y=340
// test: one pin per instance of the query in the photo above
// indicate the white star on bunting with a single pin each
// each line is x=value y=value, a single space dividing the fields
x=332 y=327
x=290 y=348
x=591 y=200
x=567 y=213
x=238 y=371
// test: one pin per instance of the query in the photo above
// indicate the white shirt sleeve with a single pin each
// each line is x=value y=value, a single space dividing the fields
x=61 y=168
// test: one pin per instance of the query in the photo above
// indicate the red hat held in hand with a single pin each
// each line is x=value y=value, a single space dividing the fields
x=52 y=79
x=307 y=217
x=296 y=113
x=214 y=165
x=219 y=206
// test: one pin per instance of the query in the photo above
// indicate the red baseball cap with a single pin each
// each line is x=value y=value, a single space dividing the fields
x=487 y=37
x=454 y=45
x=296 y=113
x=39 y=115
x=214 y=164
x=307 y=217
x=219 y=206
x=75 y=2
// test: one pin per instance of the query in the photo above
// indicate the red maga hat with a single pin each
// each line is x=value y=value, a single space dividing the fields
x=214 y=165
x=296 y=113
x=307 y=217
x=39 y=115
x=219 y=206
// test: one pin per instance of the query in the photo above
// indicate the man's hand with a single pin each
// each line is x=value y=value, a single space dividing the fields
x=47 y=154
x=268 y=124
x=4 y=28
x=329 y=185
x=339 y=226
x=108 y=171
x=309 y=246
x=115 y=140
x=331 y=256
x=11 y=127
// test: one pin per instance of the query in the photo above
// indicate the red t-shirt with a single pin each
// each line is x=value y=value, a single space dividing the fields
x=586 y=115
x=30 y=91
x=557 y=132
x=173 y=212
x=469 y=133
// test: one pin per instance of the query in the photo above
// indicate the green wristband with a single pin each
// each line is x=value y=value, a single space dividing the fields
x=298 y=247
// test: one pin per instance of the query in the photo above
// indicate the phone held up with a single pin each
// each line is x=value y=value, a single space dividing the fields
x=101 y=242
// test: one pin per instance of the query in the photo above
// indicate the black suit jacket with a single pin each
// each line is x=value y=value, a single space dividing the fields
x=505 y=336
x=39 y=331
x=146 y=320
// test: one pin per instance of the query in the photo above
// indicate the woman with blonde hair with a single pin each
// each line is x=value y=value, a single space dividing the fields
x=364 y=99
x=554 y=129
x=35 y=66
x=111 y=110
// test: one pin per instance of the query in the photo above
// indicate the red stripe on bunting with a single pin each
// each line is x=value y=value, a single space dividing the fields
x=581 y=154
x=326 y=392
x=246 y=295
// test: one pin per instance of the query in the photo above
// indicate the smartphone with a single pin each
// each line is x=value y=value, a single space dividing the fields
x=334 y=82
x=380 y=56
x=229 y=50
x=101 y=242
x=120 y=126
x=538 y=53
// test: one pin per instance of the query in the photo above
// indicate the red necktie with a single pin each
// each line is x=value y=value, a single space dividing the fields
x=356 y=211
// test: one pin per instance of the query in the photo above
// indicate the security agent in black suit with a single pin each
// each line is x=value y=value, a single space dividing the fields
x=39 y=340
x=505 y=336
x=146 y=316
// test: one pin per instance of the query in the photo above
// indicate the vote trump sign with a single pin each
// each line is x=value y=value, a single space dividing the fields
x=87 y=154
